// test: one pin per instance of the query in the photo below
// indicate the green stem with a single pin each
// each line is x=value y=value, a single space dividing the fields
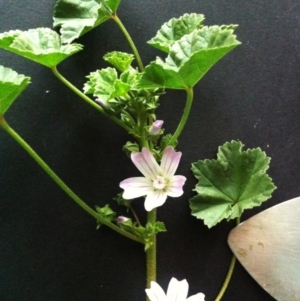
x=61 y=184
x=229 y=273
x=151 y=252
x=130 y=42
x=135 y=215
x=87 y=99
x=186 y=112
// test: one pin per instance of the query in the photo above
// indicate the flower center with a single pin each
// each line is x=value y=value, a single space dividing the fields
x=159 y=182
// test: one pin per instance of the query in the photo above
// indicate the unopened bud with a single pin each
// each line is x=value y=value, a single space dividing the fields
x=104 y=105
x=156 y=127
x=122 y=219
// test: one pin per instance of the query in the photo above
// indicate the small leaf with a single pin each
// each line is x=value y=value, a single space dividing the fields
x=119 y=60
x=190 y=58
x=131 y=147
x=175 y=29
x=106 y=212
x=121 y=201
x=105 y=85
x=236 y=181
x=41 y=45
x=12 y=85
x=77 y=17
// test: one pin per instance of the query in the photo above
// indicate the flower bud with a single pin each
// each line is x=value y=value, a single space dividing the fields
x=156 y=127
x=104 y=105
x=122 y=219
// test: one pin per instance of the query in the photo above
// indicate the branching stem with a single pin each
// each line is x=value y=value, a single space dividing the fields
x=87 y=99
x=61 y=184
x=130 y=41
x=185 y=115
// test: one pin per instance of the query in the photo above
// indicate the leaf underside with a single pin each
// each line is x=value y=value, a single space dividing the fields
x=77 y=17
x=235 y=181
x=11 y=86
x=41 y=45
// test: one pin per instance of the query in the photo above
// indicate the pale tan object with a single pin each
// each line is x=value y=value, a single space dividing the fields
x=268 y=246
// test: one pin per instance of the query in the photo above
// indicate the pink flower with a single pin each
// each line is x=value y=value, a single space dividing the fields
x=156 y=127
x=177 y=291
x=159 y=182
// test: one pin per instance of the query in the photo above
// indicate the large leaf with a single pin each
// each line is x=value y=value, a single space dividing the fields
x=190 y=58
x=175 y=29
x=11 y=86
x=236 y=181
x=77 y=17
x=41 y=45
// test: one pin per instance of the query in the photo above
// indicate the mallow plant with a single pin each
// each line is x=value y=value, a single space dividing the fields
x=128 y=92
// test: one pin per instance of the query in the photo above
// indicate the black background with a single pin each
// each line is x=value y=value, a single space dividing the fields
x=50 y=250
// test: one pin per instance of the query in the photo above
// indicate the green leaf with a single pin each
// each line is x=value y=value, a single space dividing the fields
x=119 y=60
x=105 y=85
x=121 y=201
x=190 y=58
x=41 y=45
x=106 y=212
x=175 y=29
x=152 y=229
x=12 y=85
x=77 y=17
x=236 y=181
x=131 y=147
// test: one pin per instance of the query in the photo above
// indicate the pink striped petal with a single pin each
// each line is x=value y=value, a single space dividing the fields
x=175 y=187
x=135 y=187
x=145 y=163
x=170 y=161
x=155 y=199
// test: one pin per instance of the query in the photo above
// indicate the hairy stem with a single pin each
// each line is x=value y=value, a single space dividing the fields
x=130 y=42
x=229 y=273
x=61 y=184
x=87 y=99
x=151 y=253
x=186 y=112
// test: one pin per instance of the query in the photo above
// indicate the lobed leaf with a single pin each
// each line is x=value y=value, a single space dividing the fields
x=41 y=45
x=175 y=29
x=119 y=60
x=105 y=85
x=236 y=181
x=77 y=17
x=12 y=85
x=190 y=58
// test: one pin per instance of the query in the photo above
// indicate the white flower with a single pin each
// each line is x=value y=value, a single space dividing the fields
x=159 y=181
x=177 y=291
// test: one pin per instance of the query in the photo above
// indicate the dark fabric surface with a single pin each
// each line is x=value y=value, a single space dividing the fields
x=49 y=248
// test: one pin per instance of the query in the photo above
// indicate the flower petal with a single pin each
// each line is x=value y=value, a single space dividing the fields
x=170 y=161
x=177 y=290
x=155 y=292
x=145 y=163
x=135 y=187
x=197 y=297
x=175 y=187
x=155 y=199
